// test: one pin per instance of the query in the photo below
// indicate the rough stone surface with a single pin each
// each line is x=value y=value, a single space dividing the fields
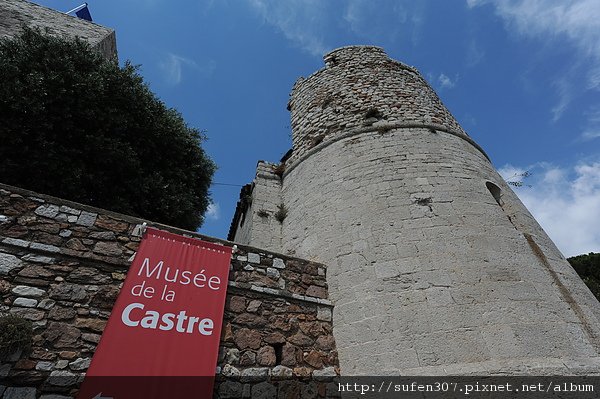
x=8 y=262
x=16 y=242
x=254 y=374
x=38 y=259
x=72 y=292
x=62 y=335
x=253 y=258
x=80 y=364
x=48 y=211
x=24 y=290
x=324 y=374
x=231 y=390
x=281 y=372
x=108 y=248
x=63 y=378
x=266 y=356
x=246 y=338
x=44 y=366
x=19 y=393
x=44 y=247
x=86 y=219
x=25 y=302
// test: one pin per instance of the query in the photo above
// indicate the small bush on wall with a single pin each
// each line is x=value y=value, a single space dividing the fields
x=15 y=333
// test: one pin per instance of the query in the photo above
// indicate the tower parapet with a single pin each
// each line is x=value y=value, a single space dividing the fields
x=361 y=88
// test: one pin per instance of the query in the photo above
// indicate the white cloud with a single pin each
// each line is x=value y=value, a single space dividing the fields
x=174 y=64
x=474 y=54
x=591 y=130
x=577 y=21
x=590 y=134
x=214 y=211
x=594 y=78
x=445 y=82
x=377 y=20
x=312 y=24
x=565 y=96
x=301 y=21
x=566 y=203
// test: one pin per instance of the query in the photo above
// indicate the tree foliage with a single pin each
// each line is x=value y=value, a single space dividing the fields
x=588 y=268
x=79 y=127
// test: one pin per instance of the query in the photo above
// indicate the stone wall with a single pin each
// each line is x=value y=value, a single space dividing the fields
x=261 y=210
x=361 y=86
x=14 y=14
x=61 y=267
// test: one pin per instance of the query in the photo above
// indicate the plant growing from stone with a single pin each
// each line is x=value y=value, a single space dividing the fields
x=281 y=213
x=15 y=333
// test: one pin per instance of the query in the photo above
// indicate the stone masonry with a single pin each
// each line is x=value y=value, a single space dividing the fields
x=434 y=265
x=62 y=265
x=15 y=14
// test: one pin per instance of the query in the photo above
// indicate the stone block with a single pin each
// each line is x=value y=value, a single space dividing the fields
x=46 y=304
x=325 y=374
x=62 y=335
x=26 y=291
x=230 y=390
x=264 y=390
x=28 y=313
x=80 y=364
x=63 y=378
x=16 y=242
x=278 y=263
x=266 y=356
x=108 y=248
x=44 y=366
x=38 y=259
x=245 y=338
x=25 y=302
x=324 y=313
x=87 y=219
x=8 y=262
x=254 y=374
x=44 y=247
x=48 y=211
x=19 y=393
x=253 y=258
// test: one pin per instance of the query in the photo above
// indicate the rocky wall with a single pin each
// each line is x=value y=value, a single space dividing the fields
x=361 y=86
x=62 y=265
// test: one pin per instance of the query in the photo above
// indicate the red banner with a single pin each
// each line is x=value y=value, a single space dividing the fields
x=165 y=323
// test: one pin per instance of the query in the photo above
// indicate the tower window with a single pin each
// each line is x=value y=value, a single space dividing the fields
x=496 y=192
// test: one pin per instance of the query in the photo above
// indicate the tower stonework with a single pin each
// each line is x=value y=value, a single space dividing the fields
x=434 y=265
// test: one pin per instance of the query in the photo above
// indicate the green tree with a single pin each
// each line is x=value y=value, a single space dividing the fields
x=79 y=127
x=588 y=268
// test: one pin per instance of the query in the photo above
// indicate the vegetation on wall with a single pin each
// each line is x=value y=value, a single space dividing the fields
x=588 y=268
x=79 y=127
x=15 y=333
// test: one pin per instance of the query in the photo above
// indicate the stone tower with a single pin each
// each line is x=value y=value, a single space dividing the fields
x=434 y=265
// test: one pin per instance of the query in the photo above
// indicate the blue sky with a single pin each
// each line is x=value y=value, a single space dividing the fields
x=521 y=76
